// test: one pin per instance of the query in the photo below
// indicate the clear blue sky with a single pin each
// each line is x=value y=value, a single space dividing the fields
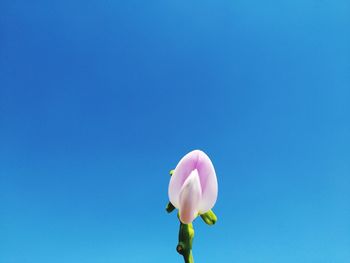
x=100 y=99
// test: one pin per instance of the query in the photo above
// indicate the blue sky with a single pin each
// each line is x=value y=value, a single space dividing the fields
x=100 y=99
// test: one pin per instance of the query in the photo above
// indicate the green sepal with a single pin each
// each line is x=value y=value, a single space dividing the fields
x=169 y=207
x=209 y=217
x=171 y=172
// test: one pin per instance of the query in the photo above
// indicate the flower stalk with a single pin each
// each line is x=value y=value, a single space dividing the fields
x=184 y=247
x=193 y=191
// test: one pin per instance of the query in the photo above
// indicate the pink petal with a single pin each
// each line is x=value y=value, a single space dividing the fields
x=190 y=197
x=184 y=168
x=208 y=182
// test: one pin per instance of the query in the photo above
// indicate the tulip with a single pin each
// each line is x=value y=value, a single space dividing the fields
x=193 y=187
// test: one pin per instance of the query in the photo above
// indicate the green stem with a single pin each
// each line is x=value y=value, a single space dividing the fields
x=184 y=247
x=189 y=258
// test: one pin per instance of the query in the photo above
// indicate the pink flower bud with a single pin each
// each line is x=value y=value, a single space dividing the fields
x=193 y=187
